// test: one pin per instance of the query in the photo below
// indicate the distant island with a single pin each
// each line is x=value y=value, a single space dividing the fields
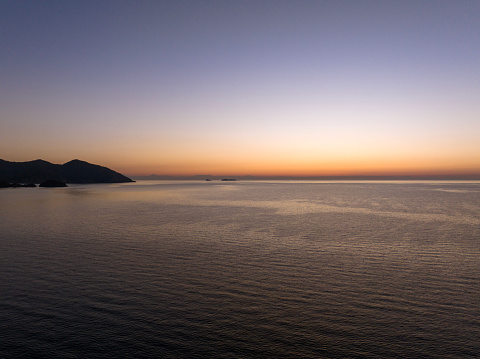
x=40 y=171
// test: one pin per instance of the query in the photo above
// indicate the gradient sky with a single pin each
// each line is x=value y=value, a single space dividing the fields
x=303 y=88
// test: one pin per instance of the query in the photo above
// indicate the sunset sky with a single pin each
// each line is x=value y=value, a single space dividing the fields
x=302 y=88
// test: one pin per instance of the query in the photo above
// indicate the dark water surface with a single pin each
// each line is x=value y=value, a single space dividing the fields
x=241 y=270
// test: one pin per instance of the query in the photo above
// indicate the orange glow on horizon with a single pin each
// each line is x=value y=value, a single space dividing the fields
x=274 y=155
x=281 y=168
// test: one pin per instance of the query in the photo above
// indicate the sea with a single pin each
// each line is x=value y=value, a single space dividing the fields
x=244 y=269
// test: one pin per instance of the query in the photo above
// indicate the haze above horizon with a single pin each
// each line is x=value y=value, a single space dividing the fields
x=261 y=88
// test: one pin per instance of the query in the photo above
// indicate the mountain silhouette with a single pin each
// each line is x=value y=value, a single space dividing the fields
x=75 y=171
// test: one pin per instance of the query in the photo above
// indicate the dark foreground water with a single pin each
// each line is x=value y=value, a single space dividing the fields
x=241 y=270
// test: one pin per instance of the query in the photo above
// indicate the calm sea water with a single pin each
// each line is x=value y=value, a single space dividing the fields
x=241 y=270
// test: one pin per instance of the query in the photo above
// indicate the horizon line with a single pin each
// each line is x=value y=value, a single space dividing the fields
x=466 y=176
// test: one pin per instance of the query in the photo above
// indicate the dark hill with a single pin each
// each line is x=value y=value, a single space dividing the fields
x=75 y=171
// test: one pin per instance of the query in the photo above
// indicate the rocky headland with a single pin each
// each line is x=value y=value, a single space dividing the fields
x=24 y=174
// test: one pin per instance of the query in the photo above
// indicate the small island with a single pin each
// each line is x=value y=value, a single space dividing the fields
x=52 y=183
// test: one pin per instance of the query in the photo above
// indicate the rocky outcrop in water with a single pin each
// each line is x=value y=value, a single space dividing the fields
x=52 y=183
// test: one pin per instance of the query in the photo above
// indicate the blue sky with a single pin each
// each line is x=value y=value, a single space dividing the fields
x=289 y=87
